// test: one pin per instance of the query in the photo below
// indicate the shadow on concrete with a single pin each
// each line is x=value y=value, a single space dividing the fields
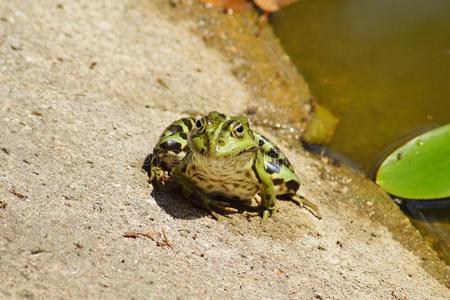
x=170 y=199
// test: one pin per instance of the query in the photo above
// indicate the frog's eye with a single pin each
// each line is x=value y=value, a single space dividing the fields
x=238 y=130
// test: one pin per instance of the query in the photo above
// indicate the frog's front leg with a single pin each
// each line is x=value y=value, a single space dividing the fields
x=170 y=149
x=266 y=188
x=157 y=173
x=189 y=190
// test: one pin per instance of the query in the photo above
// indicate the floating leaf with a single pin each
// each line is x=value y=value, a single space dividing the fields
x=420 y=169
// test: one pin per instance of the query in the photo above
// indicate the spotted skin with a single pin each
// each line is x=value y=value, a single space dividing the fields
x=172 y=145
x=219 y=156
x=279 y=167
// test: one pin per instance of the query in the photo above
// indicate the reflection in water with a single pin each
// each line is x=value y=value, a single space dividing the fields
x=383 y=67
x=432 y=217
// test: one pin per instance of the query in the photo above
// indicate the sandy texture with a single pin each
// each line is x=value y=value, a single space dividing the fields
x=86 y=87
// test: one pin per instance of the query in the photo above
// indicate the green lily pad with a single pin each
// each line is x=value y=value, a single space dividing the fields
x=420 y=169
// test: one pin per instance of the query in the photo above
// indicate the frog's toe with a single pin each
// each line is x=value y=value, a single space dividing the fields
x=257 y=199
x=315 y=211
x=261 y=212
x=229 y=209
x=265 y=215
x=164 y=177
x=154 y=173
x=308 y=205
x=223 y=206
x=214 y=214
x=212 y=206
x=158 y=175
x=247 y=213
x=266 y=212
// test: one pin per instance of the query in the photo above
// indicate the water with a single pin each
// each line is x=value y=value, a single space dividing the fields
x=383 y=67
x=432 y=219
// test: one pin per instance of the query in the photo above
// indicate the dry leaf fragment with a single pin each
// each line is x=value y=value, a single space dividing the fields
x=165 y=241
x=273 y=5
x=17 y=194
x=161 y=239
x=246 y=5
x=136 y=234
x=36 y=113
x=268 y=5
x=131 y=234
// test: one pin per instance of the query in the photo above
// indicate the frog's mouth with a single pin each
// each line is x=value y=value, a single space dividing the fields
x=217 y=155
x=223 y=164
x=239 y=159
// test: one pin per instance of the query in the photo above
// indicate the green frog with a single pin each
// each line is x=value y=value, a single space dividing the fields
x=218 y=157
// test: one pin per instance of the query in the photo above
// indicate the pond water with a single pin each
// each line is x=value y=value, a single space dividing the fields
x=383 y=68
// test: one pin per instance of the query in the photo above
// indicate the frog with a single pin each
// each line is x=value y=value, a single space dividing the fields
x=216 y=157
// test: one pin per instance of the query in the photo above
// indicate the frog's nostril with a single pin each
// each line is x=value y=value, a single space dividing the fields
x=221 y=142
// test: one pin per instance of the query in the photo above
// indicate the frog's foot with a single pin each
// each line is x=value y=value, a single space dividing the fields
x=264 y=213
x=212 y=206
x=247 y=213
x=257 y=199
x=158 y=175
x=304 y=203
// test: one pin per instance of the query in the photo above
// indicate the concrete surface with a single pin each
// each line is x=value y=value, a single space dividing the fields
x=86 y=87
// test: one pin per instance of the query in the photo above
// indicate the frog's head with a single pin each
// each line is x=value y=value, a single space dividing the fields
x=219 y=136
